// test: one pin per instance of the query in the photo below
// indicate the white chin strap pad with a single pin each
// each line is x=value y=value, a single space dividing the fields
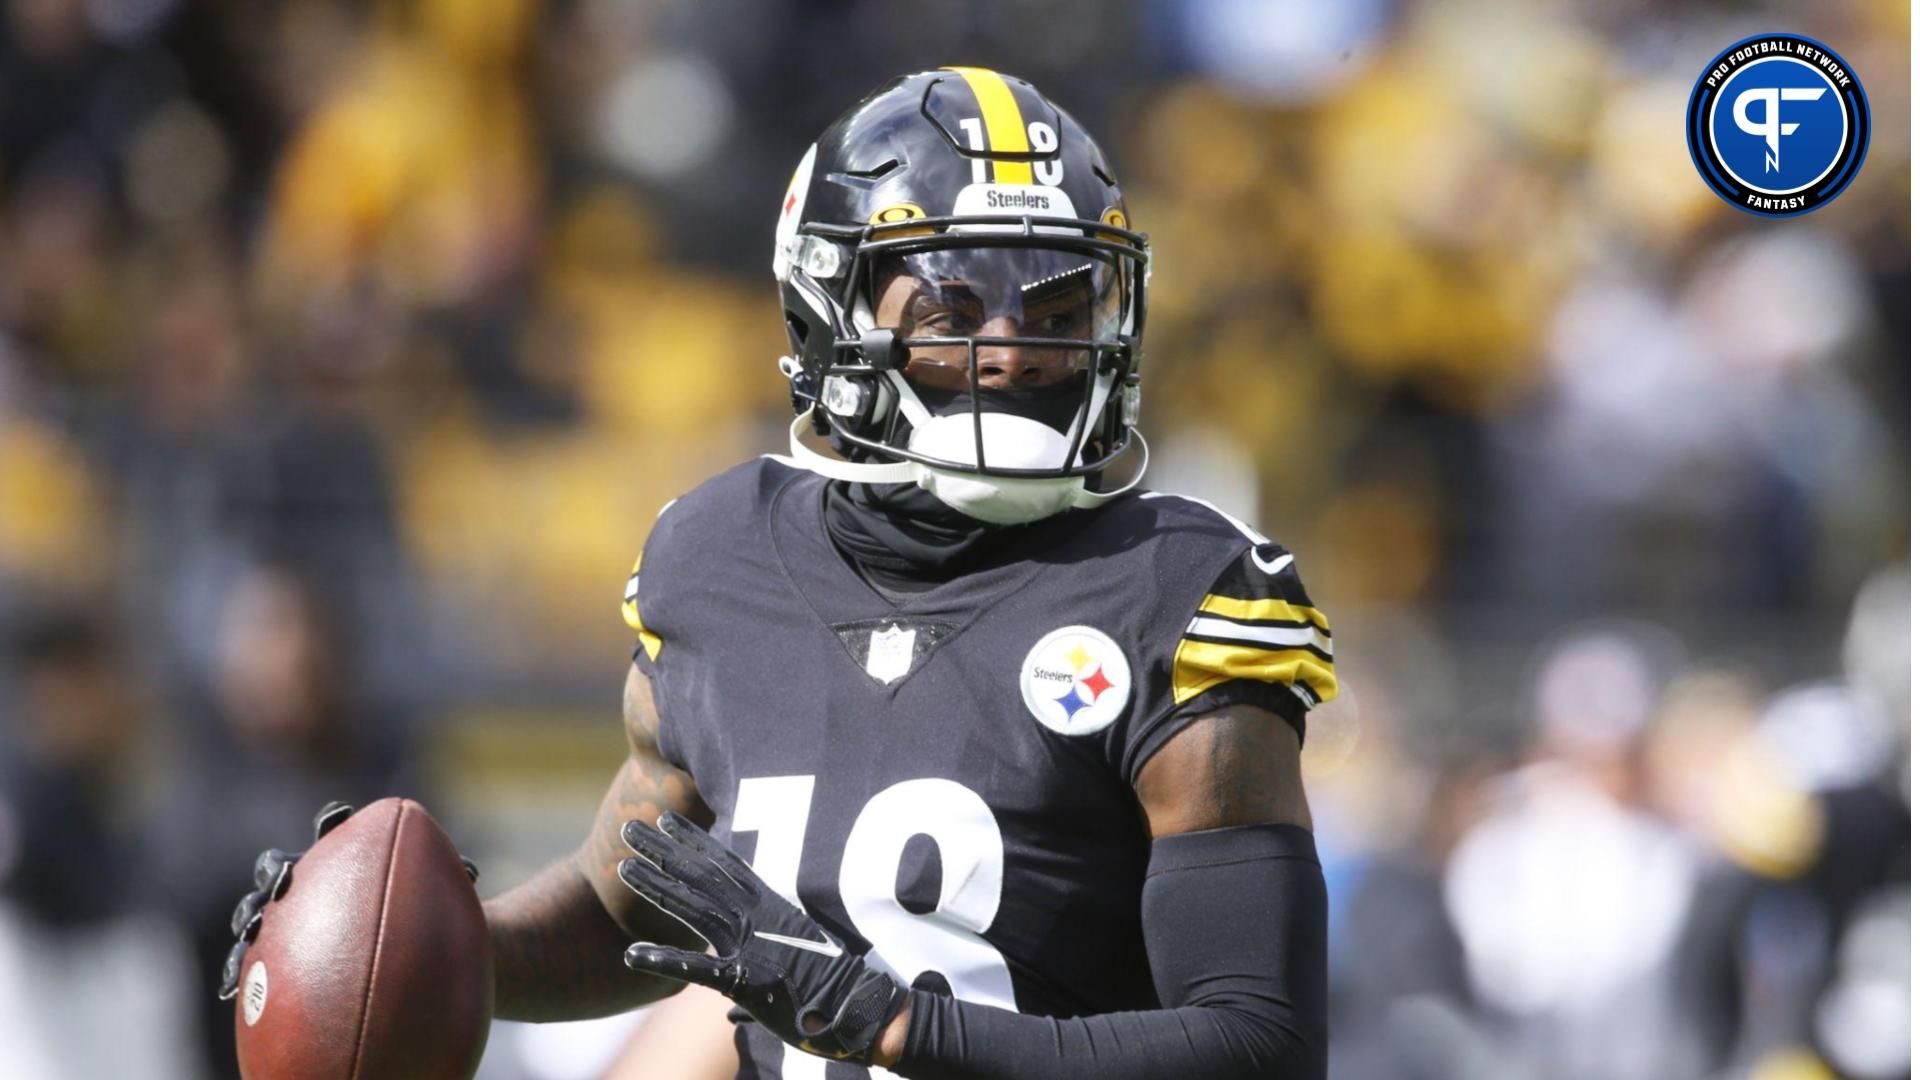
x=833 y=468
x=999 y=500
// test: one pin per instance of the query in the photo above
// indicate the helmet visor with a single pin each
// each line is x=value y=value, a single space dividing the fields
x=1031 y=313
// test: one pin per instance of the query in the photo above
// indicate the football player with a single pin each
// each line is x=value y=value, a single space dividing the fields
x=951 y=750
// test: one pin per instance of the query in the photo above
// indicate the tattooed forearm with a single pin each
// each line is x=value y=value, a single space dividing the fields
x=645 y=788
x=557 y=955
x=558 y=939
x=1239 y=766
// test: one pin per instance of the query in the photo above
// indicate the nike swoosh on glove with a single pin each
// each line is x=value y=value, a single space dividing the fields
x=770 y=957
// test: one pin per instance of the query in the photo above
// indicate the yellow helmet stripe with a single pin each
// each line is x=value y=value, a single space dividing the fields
x=1006 y=130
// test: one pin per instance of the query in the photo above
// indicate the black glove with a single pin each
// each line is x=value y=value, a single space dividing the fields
x=272 y=874
x=771 y=958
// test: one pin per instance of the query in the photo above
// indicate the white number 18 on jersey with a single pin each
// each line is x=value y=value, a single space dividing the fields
x=945 y=940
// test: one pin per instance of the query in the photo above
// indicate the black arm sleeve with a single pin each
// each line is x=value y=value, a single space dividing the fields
x=1236 y=929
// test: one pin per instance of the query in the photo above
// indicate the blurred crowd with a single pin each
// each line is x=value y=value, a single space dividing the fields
x=348 y=347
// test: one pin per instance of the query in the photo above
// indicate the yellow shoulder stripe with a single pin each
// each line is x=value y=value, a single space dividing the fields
x=1000 y=113
x=630 y=611
x=1199 y=666
x=1231 y=608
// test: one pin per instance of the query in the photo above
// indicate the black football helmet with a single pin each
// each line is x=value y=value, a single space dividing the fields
x=956 y=246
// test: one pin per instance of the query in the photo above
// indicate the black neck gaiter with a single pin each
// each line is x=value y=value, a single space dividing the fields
x=902 y=539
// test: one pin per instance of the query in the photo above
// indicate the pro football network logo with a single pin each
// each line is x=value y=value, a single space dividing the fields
x=1075 y=680
x=1778 y=125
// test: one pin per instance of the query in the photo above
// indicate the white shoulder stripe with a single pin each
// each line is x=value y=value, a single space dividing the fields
x=1267 y=566
x=1278 y=636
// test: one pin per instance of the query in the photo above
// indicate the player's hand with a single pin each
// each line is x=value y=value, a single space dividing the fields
x=272 y=875
x=771 y=958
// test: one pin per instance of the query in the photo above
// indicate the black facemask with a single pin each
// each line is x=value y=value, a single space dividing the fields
x=1055 y=406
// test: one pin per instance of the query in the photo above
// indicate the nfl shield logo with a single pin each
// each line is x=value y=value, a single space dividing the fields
x=890 y=653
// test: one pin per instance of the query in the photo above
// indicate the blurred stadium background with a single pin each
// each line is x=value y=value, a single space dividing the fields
x=347 y=350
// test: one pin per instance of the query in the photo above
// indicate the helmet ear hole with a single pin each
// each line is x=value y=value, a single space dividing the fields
x=797 y=333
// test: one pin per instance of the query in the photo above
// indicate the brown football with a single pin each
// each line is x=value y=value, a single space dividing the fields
x=373 y=964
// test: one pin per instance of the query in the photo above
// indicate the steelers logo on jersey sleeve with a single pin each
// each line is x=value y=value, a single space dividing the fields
x=1075 y=680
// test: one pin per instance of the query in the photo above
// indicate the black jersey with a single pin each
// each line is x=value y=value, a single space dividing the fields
x=947 y=777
